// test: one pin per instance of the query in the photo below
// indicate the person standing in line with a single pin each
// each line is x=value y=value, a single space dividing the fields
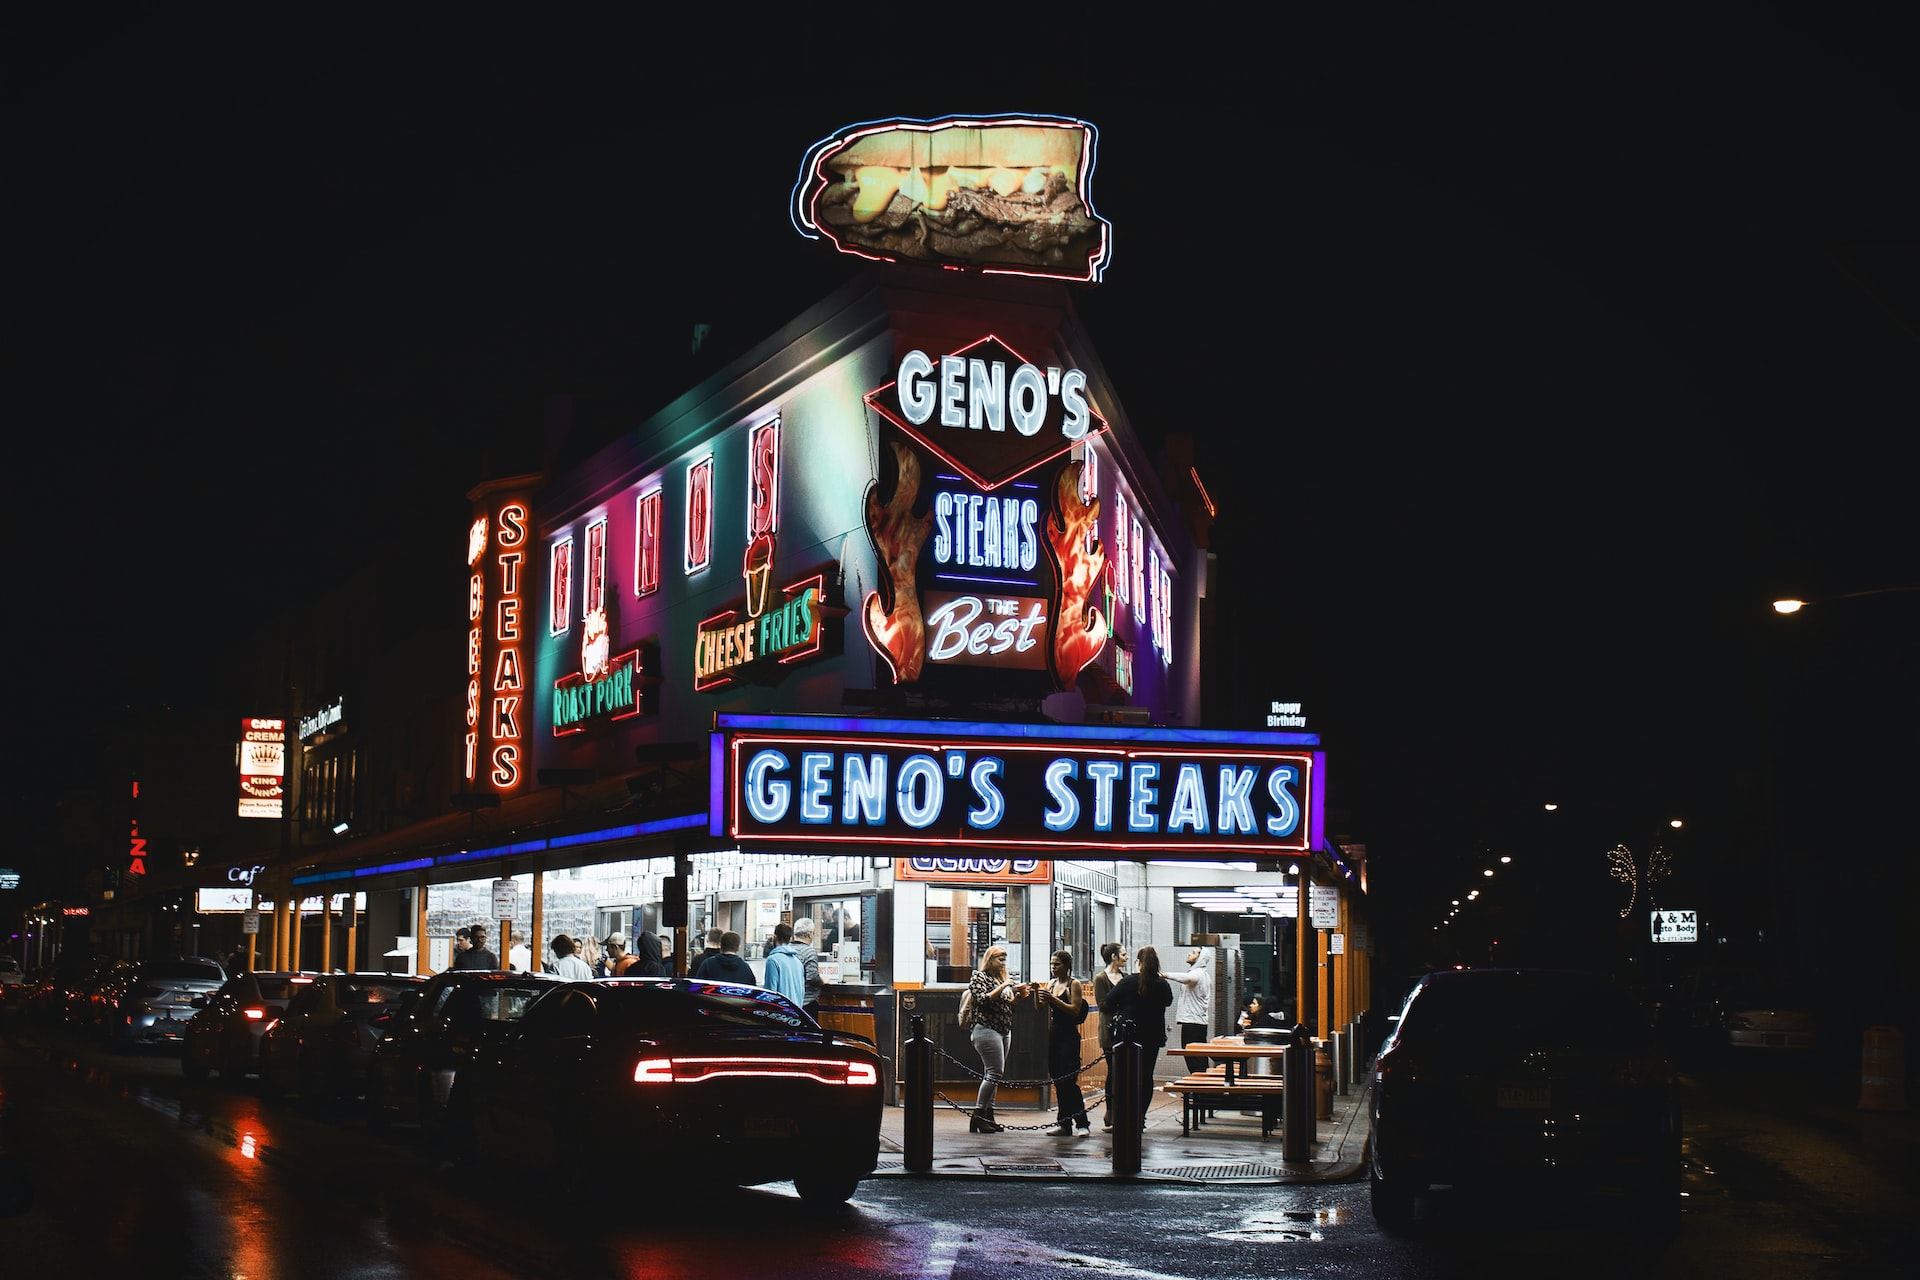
x=619 y=960
x=461 y=942
x=1114 y=958
x=714 y=948
x=1193 y=1004
x=590 y=954
x=809 y=963
x=1067 y=1003
x=649 y=957
x=476 y=956
x=992 y=1031
x=1142 y=999
x=726 y=965
x=566 y=961
x=519 y=955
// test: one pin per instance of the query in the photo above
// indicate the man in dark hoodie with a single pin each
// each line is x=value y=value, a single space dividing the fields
x=726 y=965
x=649 y=958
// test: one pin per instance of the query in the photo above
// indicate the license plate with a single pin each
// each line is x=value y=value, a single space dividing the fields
x=770 y=1127
x=1534 y=1098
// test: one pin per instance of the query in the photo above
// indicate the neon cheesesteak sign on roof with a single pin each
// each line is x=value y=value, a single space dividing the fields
x=1002 y=194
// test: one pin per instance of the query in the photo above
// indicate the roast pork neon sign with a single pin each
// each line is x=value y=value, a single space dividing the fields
x=1160 y=798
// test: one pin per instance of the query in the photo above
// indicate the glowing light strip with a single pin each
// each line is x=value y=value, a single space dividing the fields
x=992 y=582
x=862 y=726
x=603 y=836
x=824 y=1070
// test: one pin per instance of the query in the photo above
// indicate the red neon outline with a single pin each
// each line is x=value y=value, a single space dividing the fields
x=596 y=596
x=646 y=554
x=773 y=504
x=1298 y=841
x=686 y=558
x=560 y=589
x=1100 y=425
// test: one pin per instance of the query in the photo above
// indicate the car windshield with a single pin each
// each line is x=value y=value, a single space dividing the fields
x=681 y=1006
x=274 y=988
x=1506 y=1010
x=181 y=970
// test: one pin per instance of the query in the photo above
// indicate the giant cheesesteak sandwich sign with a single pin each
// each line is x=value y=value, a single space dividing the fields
x=1006 y=194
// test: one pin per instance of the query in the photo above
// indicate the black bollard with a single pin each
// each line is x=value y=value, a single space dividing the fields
x=1123 y=1099
x=916 y=1080
x=1297 y=1126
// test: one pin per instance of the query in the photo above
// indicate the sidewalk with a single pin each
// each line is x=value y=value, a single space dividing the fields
x=1227 y=1148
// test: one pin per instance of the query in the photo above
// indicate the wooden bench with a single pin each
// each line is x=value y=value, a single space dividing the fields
x=1209 y=1091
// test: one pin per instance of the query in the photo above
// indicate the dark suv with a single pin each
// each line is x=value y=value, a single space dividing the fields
x=1550 y=1078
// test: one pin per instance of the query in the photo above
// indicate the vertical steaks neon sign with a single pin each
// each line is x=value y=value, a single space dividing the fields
x=496 y=683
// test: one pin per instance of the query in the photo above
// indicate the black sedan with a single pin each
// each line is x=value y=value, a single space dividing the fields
x=322 y=1046
x=458 y=1012
x=1538 y=1078
x=724 y=1084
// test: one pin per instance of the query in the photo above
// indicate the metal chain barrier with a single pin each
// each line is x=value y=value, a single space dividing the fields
x=968 y=1111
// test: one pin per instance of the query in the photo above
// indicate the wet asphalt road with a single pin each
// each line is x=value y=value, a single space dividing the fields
x=137 y=1171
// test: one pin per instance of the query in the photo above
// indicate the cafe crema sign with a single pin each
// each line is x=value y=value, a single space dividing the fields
x=1001 y=793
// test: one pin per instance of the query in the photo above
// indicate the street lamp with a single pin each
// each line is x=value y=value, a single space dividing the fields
x=1791 y=605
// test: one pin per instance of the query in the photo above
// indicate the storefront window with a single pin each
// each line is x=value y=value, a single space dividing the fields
x=1073 y=927
x=963 y=923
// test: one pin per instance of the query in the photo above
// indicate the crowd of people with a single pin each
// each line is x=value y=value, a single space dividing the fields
x=1132 y=1006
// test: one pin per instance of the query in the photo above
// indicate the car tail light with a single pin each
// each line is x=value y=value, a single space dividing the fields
x=255 y=1012
x=696 y=1070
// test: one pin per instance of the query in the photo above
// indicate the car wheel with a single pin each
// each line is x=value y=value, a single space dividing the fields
x=826 y=1186
x=1392 y=1201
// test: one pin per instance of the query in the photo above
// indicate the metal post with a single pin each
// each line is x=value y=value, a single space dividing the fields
x=1337 y=1041
x=1356 y=1055
x=1123 y=1099
x=916 y=1082
x=1297 y=1130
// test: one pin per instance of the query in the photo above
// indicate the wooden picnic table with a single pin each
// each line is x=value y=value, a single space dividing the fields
x=1227 y=1051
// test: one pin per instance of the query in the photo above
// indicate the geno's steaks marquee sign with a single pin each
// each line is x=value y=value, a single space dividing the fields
x=784 y=780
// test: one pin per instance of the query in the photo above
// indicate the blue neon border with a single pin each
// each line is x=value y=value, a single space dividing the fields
x=875 y=725
x=603 y=836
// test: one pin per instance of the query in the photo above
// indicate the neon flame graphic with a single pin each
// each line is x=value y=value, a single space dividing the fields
x=1079 y=629
x=896 y=627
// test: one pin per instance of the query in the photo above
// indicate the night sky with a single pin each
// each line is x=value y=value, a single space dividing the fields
x=1525 y=364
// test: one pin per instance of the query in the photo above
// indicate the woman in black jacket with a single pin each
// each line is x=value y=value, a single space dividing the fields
x=1136 y=1009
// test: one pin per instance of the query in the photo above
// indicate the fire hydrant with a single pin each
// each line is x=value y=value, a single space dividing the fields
x=1322 y=1081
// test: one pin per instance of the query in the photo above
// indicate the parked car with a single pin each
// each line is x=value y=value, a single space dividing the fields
x=1529 y=1077
x=150 y=1002
x=11 y=974
x=224 y=1033
x=725 y=1084
x=1774 y=1019
x=458 y=1012
x=322 y=1045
